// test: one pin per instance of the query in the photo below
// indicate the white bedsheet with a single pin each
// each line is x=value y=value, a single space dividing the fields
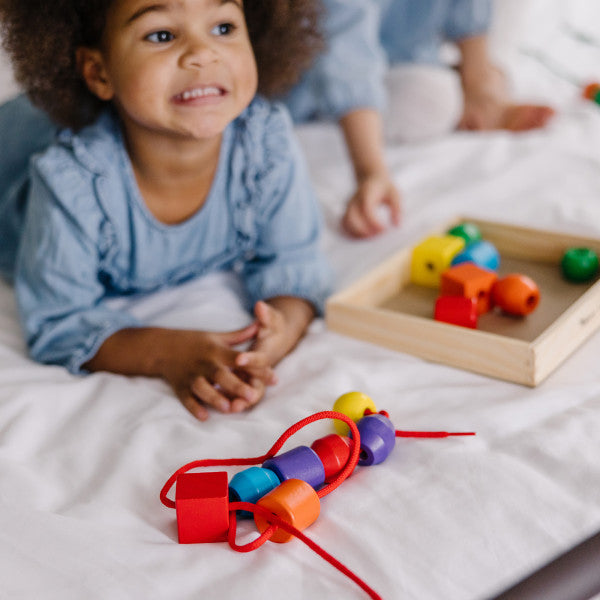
x=82 y=460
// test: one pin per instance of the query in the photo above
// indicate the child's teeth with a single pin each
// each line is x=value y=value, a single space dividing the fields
x=199 y=92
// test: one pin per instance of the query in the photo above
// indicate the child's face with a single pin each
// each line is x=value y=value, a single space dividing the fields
x=177 y=67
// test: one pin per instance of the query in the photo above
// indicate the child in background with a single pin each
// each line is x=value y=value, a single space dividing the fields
x=172 y=167
x=426 y=98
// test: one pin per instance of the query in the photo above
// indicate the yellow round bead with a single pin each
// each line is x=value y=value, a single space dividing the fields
x=353 y=405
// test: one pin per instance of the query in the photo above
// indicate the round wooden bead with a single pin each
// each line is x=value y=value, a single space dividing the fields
x=334 y=451
x=516 y=294
x=250 y=485
x=579 y=264
x=377 y=439
x=294 y=501
x=467 y=231
x=299 y=463
x=591 y=90
x=353 y=405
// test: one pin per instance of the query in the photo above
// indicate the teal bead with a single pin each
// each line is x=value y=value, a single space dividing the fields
x=579 y=264
x=483 y=253
x=467 y=231
x=251 y=485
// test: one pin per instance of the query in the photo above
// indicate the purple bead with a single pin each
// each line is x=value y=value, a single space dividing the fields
x=377 y=439
x=299 y=463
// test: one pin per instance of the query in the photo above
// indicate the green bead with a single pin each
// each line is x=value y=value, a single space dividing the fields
x=467 y=231
x=596 y=98
x=579 y=264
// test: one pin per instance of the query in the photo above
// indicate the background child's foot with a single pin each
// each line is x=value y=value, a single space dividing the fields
x=522 y=117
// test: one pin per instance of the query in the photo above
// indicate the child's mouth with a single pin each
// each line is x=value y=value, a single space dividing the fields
x=200 y=93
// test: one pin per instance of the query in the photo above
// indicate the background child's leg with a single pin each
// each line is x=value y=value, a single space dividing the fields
x=424 y=101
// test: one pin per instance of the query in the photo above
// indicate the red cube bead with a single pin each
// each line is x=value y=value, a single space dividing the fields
x=202 y=506
x=470 y=281
x=456 y=310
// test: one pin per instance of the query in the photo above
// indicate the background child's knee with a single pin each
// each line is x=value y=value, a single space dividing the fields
x=424 y=102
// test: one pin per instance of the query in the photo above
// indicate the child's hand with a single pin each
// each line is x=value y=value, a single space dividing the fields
x=205 y=370
x=361 y=218
x=282 y=322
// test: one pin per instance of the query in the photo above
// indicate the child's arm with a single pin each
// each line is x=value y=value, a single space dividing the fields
x=201 y=367
x=363 y=132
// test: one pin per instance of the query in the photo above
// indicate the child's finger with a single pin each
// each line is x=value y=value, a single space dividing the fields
x=239 y=405
x=393 y=202
x=233 y=338
x=194 y=406
x=355 y=223
x=234 y=387
x=205 y=391
x=263 y=313
x=256 y=364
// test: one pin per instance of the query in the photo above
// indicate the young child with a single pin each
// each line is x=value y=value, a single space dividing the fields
x=171 y=168
x=351 y=81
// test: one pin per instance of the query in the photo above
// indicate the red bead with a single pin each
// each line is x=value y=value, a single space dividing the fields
x=516 y=294
x=202 y=505
x=470 y=281
x=334 y=451
x=456 y=310
x=294 y=501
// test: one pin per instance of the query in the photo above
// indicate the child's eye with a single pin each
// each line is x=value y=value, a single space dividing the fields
x=223 y=29
x=160 y=37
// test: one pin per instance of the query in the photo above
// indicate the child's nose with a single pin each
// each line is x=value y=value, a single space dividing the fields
x=197 y=53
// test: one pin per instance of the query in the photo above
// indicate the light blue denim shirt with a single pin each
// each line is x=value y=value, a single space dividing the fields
x=364 y=37
x=87 y=234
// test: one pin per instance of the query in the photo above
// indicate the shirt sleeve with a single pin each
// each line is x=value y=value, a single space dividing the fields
x=350 y=73
x=287 y=259
x=467 y=18
x=57 y=284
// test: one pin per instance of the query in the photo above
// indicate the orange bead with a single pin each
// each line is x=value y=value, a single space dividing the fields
x=590 y=90
x=294 y=501
x=516 y=294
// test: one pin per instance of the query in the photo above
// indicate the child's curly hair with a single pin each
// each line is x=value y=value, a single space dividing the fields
x=41 y=37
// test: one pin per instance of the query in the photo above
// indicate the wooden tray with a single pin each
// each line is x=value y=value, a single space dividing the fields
x=385 y=308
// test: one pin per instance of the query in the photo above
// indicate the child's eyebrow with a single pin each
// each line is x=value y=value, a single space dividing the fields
x=164 y=8
x=145 y=9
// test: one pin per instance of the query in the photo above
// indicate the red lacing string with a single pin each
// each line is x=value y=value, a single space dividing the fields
x=277 y=522
x=418 y=434
x=229 y=462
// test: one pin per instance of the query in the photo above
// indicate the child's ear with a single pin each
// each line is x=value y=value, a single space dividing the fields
x=90 y=64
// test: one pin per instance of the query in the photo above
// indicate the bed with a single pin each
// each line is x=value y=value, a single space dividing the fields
x=82 y=460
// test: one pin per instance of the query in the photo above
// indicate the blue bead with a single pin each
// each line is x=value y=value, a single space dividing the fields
x=252 y=484
x=482 y=253
x=377 y=439
x=299 y=463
